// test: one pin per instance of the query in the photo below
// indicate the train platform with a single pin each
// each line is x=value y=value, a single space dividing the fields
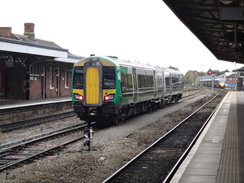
x=9 y=104
x=218 y=155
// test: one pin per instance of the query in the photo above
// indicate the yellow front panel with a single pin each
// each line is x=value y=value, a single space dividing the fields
x=79 y=91
x=107 y=92
x=92 y=85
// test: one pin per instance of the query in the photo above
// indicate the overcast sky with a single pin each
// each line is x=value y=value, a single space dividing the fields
x=142 y=30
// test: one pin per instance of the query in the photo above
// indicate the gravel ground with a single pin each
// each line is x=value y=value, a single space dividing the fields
x=42 y=128
x=113 y=147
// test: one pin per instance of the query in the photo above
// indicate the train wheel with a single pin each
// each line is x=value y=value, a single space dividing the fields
x=154 y=107
x=150 y=107
x=123 y=116
x=115 y=121
x=176 y=100
x=161 y=105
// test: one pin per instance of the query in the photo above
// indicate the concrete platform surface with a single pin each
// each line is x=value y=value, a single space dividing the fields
x=218 y=155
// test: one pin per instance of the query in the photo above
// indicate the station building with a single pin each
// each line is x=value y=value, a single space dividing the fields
x=32 y=68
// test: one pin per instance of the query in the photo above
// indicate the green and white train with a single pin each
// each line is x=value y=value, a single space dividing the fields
x=107 y=89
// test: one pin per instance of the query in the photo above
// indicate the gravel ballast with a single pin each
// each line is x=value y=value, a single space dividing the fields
x=113 y=147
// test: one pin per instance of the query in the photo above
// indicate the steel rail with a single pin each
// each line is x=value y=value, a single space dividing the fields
x=31 y=122
x=13 y=163
x=128 y=164
x=184 y=155
x=2 y=146
x=7 y=151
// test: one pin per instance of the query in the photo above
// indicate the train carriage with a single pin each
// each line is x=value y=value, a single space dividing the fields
x=108 y=89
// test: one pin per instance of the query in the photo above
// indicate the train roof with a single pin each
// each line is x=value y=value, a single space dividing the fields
x=172 y=70
x=118 y=62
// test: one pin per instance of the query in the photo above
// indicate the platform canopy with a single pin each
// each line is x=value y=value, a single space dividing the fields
x=218 y=24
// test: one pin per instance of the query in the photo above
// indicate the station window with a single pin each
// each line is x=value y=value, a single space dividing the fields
x=241 y=74
x=66 y=79
x=51 y=75
x=34 y=70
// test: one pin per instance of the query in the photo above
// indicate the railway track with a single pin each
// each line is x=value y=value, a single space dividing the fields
x=36 y=121
x=10 y=154
x=36 y=146
x=159 y=162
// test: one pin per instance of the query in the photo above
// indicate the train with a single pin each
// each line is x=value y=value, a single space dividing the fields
x=226 y=80
x=106 y=89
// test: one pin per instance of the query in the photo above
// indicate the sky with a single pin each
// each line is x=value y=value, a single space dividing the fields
x=145 y=31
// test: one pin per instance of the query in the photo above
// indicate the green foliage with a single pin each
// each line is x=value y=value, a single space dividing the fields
x=117 y=158
x=7 y=181
x=190 y=77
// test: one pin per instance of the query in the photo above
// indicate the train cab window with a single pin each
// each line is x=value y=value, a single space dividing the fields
x=78 y=78
x=108 y=77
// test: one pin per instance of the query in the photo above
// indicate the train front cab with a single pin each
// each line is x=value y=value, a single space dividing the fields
x=94 y=89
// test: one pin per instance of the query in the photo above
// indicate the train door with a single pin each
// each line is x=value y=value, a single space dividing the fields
x=92 y=85
x=163 y=83
x=155 y=81
x=167 y=94
x=135 y=87
x=58 y=82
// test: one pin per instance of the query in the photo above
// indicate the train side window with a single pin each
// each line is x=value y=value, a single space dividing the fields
x=145 y=81
x=78 y=82
x=108 y=77
x=167 y=82
x=129 y=81
x=150 y=83
x=142 y=81
x=126 y=80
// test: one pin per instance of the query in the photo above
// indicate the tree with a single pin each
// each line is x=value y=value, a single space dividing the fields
x=191 y=76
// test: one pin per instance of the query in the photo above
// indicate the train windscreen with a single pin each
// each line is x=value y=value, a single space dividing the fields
x=78 y=82
x=108 y=77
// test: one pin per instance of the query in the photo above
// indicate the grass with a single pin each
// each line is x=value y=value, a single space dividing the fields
x=7 y=181
x=117 y=158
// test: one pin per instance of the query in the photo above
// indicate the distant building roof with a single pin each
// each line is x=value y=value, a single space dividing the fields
x=240 y=69
x=231 y=76
x=36 y=41
x=28 y=44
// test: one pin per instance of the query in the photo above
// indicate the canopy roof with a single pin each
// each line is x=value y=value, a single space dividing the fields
x=218 y=24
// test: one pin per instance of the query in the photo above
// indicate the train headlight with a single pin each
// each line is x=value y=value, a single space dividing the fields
x=109 y=97
x=79 y=97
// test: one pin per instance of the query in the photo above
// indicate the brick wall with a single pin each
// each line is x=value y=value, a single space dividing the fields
x=35 y=87
x=15 y=82
x=6 y=32
x=51 y=90
x=65 y=90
